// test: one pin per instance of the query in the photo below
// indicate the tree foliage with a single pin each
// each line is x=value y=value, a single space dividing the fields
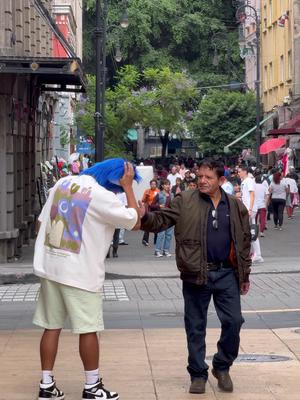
x=181 y=34
x=221 y=118
x=157 y=98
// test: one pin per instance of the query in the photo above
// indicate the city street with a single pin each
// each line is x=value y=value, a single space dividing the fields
x=144 y=339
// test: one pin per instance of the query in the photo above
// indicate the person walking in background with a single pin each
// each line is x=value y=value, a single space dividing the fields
x=173 y=175
x=227 y=186
x=261 y=200
x=248 y=199
x=178 y=187
x=292 y=200
x=123 y=199
x=163 y=200
x=213 y=256
x=278 y=190
x=193 y=184
x=187 y=178
x=76 y=227
x=147 y=200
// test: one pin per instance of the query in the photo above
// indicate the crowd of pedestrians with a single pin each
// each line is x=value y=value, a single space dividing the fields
x=264 y=192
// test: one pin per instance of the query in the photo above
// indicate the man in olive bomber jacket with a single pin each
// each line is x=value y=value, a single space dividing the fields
x=213 y=242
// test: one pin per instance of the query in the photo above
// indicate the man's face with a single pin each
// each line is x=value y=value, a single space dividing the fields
x=208 y=181
x=242 y=174
x=153 y=185
x=173 y=170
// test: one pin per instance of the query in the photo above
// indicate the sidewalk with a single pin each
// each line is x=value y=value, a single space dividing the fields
x=279 y=249
x=150 y=365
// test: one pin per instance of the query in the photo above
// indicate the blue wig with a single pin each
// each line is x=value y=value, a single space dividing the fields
x=108 y=174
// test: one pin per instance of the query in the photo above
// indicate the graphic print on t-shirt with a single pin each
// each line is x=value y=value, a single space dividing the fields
x=68 y=210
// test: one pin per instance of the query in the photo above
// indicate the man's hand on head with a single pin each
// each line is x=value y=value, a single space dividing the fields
x=127 y=178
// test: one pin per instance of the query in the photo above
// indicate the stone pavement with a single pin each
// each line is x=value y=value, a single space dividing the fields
x=150 y=364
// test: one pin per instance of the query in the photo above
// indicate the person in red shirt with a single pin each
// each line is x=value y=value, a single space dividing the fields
x=147 y=200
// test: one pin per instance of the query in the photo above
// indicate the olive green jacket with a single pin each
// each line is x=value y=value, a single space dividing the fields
x=189 y=213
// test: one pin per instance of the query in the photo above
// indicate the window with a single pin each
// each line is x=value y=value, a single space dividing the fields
x=282 y=69
x=155 y=151
x=290 y=65
x=266 y=77
x=270 y=75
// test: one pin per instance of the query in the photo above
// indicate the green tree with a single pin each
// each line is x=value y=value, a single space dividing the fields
x=161 y=103
x=115 y=132
x=156 y=98
x=181 y=34
x=222 y=117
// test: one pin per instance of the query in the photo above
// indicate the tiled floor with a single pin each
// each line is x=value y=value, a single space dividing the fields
x=112 y=291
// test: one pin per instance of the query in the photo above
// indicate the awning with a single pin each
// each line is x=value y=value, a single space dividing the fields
x=271 y=145
x=132 y=134
x=52 y=74
x=226 y=148
x=292 y=127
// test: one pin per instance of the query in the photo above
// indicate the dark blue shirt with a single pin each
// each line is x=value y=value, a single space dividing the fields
x=218 y=240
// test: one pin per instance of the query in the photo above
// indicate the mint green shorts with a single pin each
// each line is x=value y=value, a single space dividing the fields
x=57 y=302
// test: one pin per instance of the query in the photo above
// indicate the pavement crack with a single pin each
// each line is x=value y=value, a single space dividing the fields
x=150 y=365
x=285 y=344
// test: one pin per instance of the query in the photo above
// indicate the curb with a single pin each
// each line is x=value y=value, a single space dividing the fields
x=25 y=278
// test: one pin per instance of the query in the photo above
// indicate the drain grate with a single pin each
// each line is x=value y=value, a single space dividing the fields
x=258 y=358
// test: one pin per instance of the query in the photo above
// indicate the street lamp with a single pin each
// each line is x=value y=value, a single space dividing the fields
x=242 y=14
x=100 y=34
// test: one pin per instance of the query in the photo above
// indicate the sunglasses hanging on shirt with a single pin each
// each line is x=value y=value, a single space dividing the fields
x=214 y=215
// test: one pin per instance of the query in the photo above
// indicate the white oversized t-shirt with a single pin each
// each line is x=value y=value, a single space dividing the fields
x=247 y=186
x=77 y=226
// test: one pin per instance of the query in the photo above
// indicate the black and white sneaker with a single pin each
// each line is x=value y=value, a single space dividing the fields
x=97 y=391
x=50 y=391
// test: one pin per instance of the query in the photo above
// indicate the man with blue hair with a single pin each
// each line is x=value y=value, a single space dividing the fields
x=76 y=227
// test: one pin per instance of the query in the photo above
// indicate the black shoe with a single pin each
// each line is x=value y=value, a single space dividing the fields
x=97 y=391
x=50 y=391
x=115 y=254
x=145 y=243
x=123 y=244
x=198 y=385
x=224 y=380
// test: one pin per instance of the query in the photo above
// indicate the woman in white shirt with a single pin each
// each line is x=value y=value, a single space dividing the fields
x=278 y=190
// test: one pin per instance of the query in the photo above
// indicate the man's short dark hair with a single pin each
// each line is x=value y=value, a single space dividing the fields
x=153 y=180
x=244 y=167
x=215 y=165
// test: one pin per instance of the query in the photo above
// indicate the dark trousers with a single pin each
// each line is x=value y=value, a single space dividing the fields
x=146 y=237
x=278 y=209
x=224 y=288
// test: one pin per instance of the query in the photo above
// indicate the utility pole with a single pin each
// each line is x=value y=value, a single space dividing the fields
x=100 y=34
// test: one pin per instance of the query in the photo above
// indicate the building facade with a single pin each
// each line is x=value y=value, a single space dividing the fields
x=27 y=72
x=280 y=69
x=68 y=18
x=248 y=45
x=277 y=52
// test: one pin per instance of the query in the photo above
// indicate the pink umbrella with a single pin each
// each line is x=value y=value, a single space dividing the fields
x=271 y=145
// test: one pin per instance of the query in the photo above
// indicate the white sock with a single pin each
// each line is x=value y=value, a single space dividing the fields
x=47 y=377
x=91 y=377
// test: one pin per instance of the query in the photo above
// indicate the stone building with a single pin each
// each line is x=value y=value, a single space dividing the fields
x=28 y=75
